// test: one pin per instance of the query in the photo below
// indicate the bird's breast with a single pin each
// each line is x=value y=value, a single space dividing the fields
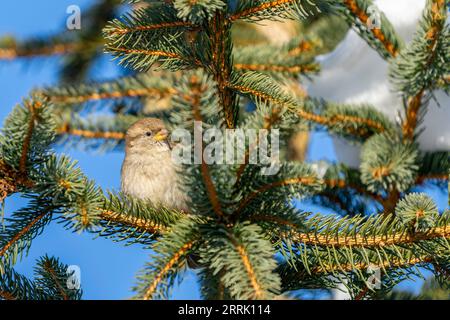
x=156 y=181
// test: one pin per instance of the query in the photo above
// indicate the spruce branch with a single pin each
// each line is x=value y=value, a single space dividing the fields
x=166 y=46
x=169 y=259
x=67 y=129
x=264 y=118
x=292 y=181
x=295 y=58
x=345 y=119
x=198 y=11
x=351 y=245
x=14 y=286
x=383 y=38
x=126 y=219
x=11 y=180
x=50 y=283
x=422 y=64
x=295 y=69
x=434 y=166
x=140 y=85
x=51 y=277
x=10 y=49
x=388 y=164
x=370 y=240
x=221 y=63
x=194 y=101
x=151 y=21
x=246 y=258
x=159 y=26
x=356 y=121
x=94 y=131
x=257 y=10
x=330 y=276
x=418 y=210
x=32 y=129
x=20 y=230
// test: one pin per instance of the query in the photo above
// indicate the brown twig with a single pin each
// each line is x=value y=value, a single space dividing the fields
x=352 y=5
x=211 y=189
x=260 y=8
x=299 y=180
x=163 y=25
x=415 y=102
x=21 y=233
x=369 y=241
x=110 y=95
x=57 y=49
x=89 y=134
x=133 y=222
x=307 y=68
x=151 y=289
x=52 y=273
x=27 y=140
x=221 y=65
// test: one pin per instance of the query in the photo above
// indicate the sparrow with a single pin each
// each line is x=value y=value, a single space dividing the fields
x=148 y=171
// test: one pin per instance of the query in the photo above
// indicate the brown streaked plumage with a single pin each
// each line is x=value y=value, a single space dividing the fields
x=148 y=171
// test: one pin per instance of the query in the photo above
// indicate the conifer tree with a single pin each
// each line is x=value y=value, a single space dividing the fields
x=248 y=239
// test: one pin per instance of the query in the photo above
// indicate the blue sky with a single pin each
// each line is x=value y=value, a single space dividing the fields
x=107 y=268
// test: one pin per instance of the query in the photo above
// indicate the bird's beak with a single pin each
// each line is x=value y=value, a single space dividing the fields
x=161 y=135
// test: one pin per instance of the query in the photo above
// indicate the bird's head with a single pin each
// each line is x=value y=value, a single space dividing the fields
x=147 y=134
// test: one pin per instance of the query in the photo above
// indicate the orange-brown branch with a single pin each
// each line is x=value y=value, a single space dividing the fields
x=57 y=49
x=7 y=296
x=10 y=180
x=304 y=46
x=340 y=183
x=300 y=180
x=88 y=134
x=159 y=53
x=422 y=179
x=259 y=293
x=163 y=25
x=278 y=68
x=211 y=189
x=27 y=140
x=327 y=121
x=388 y=264
x=149 y=52
x=56 y=280
x=275 y=219
x=133 y=222
x=260 y=8
x=21 y=233
x=369 y=241
x=110 y=95
x=352 y=5
x=433 y=34
x=269 y=121
x=412 y=112
x=221 y=65
x=151 y=289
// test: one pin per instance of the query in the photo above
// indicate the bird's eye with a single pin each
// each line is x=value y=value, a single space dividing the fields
x=148 y=133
